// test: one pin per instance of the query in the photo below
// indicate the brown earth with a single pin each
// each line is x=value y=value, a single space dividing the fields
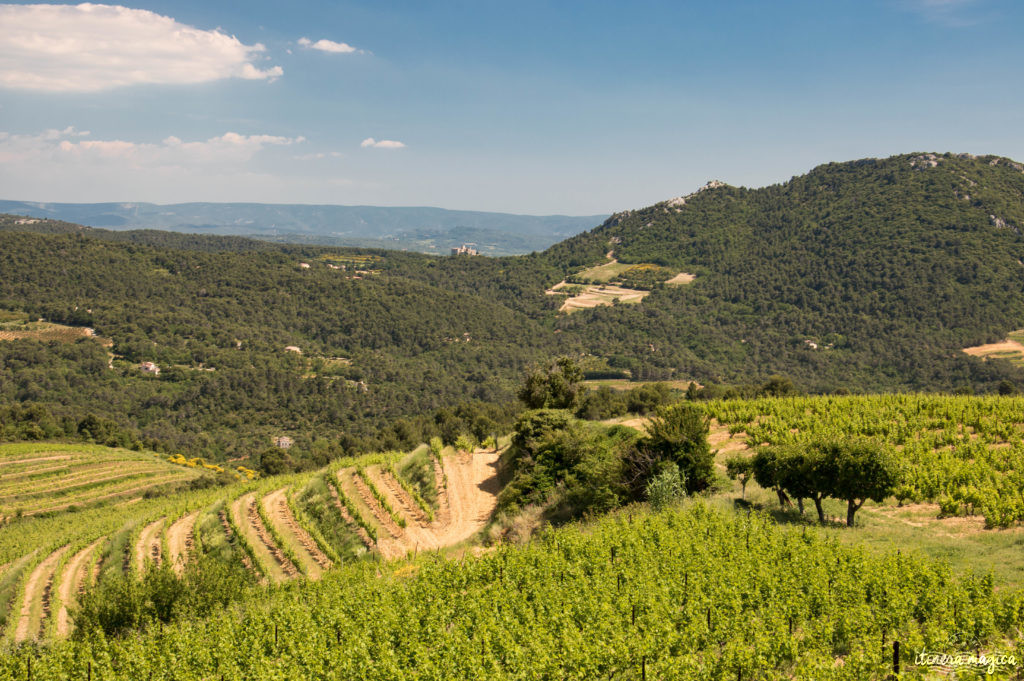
x=720 y=439
x=85 y=479
x=246 y=561
x=990 y=348
x=72 y=582
x=473 y=487
x=181 y=541
x=37 y=588
x=148 y=545
x=379 y=512
x=443 y=514
x=152 y=483
x=681 y=278
x=248 y=520
x=304 y=546
x=361 y=532
x=417 y=534
x=74 y=474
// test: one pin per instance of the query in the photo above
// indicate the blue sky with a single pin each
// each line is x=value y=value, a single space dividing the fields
x=528 y=107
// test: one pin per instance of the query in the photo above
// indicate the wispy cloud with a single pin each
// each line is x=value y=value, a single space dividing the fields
x=369 y=142
x=72 y=165
x=70 y=146
x=954 y=13
x=325 y=45
x=90 y=48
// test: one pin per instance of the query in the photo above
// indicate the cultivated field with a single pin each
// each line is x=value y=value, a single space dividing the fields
x=50 y=477
x=611 y=282
x=602 y=294
x=1012 y=348
x=284 y=528
x=18 y=326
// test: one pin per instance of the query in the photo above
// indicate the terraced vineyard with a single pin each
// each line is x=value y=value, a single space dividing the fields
x=281 y=529
x=42 y=478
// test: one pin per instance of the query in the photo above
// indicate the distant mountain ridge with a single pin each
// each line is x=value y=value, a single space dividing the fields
x=424 y=229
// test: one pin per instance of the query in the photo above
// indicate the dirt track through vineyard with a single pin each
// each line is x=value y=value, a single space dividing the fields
x=38 y=585
x=416 y=536
x=147 y=548
x=473 y=488
x=73 y=582
x=249 y=523
x=180 y=541
x=304 y=546
x=360 y=531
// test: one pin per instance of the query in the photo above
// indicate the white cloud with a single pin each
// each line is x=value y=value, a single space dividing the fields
x=381 y=144
x=90 y=48
x=325 y=45
x=66 y=147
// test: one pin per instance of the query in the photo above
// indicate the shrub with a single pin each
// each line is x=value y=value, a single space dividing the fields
x=666 y=488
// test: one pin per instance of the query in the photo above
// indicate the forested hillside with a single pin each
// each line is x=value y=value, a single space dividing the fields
x=862 y=276
x=369 y=345
x=865 y=275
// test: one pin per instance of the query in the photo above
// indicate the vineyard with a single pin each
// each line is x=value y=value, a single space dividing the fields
x=280 y=529
x=692 y=593
x=44 y=478
x=700 y=591
x=964 y=453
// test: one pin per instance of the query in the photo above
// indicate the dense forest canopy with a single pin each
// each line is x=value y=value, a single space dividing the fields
x=869 y=275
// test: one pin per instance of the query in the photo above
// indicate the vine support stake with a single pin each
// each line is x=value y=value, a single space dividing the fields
x=643 y=669
x=896 y=658
x=634 y=615
x=275 y=634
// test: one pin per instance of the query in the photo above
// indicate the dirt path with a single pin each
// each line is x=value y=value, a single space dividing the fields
x=379 y=512
x=181 y=541
x=418 y=535
x=37 y=590
x=249 y=523
x=72 y=582
x=473 y=488
x=406 y=504
x=246 y=561
x=721 y=440
x=388 y=545
x=313 y=560
x=444 y=509
x=148 y=545
x=363 y=535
